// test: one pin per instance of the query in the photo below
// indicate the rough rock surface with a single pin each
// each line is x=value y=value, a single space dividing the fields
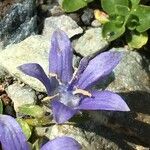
x=3 y=73
x=4 y=6
x=21 y=95
x=19 y=22
x=87 y=16
x=95 y=23
x=131 y=80
x=33 y=49
x=91 y=42
x=62 y=22
x=86 y=136
x=122 y=130
x=132 y=73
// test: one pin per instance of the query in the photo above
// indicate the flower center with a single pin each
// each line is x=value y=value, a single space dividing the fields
x=70 y=98
x=67 y=97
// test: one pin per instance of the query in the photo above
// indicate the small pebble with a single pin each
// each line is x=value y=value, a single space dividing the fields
x=87 y=16
x=9 y=111
x=75 y=17
x=95 y=23
x=56 y=11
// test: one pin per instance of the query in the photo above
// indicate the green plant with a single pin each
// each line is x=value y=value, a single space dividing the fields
x=73 y=5
x=127 y=16
x=1 y=107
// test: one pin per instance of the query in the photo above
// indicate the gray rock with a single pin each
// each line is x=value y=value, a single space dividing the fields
x=19 y=23
x=88 y=139
x=76 y=61
x=87 y=16
x=91 y=42
x=132 y=73
x=75 y=17
x=89 y=135
x=56 y=11
x=95 y=23
x=62 y=22
x=33 y=49
x=52 y=3
x=3 y=73
x=20 y=95
x=121 y=129
x=130 y=79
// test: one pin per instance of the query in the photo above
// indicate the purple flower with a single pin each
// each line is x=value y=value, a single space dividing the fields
x=11 y=135
x=12 y=138
x=70 y=92
x=62 y=143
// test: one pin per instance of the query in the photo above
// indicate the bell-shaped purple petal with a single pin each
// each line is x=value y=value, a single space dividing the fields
x=103 y=100
x=82 y=66
x=61 y=112
x=62 y=143
x=11 y=135
x=60 y=56
x=36 y=71
x=98 y=68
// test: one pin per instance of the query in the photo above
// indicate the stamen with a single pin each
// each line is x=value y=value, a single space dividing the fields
x=55 y=76
x=48 y=98
x=74 y=75
x=83 y=92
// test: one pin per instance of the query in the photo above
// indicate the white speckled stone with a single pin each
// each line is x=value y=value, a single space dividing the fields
x=91 y=42
x=62 y=22
x=21 y=95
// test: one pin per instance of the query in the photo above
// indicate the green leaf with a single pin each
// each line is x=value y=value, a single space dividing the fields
x=134 y=3
x=35 y=145
x=32 y=110
x=46 y=120
x=117 y=20
x=132 y=22
x=73 y=5
x=137 y=40
x=109 y=5
x=88 y=1
x=101 y=16
x=122 y=10
x=111 y=31
x=25 y=127
x=1 y=107
x=143 y=13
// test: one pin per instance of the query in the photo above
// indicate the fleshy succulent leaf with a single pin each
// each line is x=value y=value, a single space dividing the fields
x=134 y=3
x=109 y=5
x=122 y=10
x=32 y=110
x=25 y=128
x=143 y=13
x=101 y=16
x=71 y=5
x=137 y=40
x=133 y=22
x=111 y=31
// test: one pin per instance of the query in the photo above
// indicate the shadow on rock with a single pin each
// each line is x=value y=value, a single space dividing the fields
x=126 y=129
